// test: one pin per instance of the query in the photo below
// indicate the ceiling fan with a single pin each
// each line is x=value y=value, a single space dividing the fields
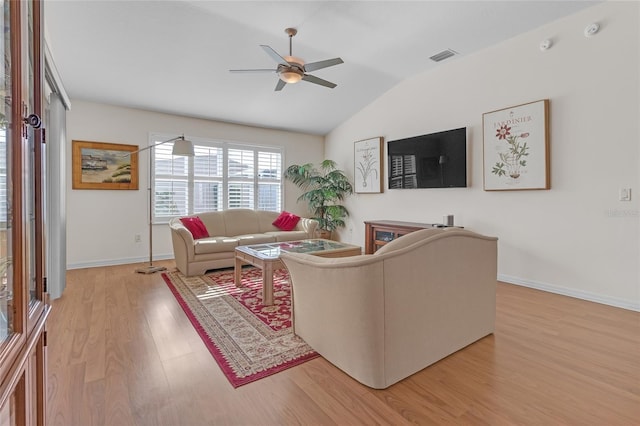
x=292 y=69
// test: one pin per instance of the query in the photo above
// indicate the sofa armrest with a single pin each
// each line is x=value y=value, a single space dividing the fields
x=183 y=244
x=307 y=225
x=187 y=237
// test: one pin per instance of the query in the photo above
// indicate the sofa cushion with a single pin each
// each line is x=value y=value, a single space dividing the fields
x=215 y=245
x=214 y=221
x=251 y=239
x=286 y=221
x=266 y=219
x=288 y=235
x=241 y=222
x=195 y=226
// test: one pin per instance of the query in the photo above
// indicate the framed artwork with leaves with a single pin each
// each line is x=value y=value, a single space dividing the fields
x=516 y=147
x=367 y=166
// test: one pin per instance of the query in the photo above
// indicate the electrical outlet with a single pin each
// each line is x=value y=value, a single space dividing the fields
x=625 y=194
x=137 y=238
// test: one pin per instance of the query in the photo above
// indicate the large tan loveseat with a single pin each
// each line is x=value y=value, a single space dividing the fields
x=228 y=229
x=385 y=316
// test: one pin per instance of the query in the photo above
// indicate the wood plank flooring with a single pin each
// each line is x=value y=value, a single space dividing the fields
x=122 y=352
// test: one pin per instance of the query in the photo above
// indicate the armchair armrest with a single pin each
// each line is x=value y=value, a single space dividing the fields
x=338 y=309
x=307 y=225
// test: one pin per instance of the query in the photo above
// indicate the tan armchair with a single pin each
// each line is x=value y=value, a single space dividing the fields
x=382 y=317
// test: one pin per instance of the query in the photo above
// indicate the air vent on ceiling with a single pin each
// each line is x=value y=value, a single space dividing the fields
x=445 y=54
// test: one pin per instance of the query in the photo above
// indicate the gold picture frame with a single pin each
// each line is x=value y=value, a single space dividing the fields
x=516 y=147
x=368 y=166
x=101 y=165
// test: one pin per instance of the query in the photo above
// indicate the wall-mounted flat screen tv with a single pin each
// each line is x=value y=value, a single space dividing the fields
x=436 y=160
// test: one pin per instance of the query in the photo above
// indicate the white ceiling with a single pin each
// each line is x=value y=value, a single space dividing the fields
x=175 y=56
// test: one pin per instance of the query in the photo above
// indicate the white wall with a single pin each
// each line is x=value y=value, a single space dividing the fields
x=101 y=224
x=576 y=238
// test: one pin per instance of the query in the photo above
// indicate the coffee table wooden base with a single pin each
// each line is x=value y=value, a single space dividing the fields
x=267 y=266
x=271 y=264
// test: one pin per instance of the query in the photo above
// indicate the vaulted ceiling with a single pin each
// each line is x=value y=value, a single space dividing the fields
x=175 y=56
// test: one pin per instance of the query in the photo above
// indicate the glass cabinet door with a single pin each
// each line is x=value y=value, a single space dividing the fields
x=23 y=308
x=30 y=202
x=6 y=274
x=33 y=156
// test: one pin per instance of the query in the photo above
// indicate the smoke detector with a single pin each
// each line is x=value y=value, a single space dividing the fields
x=545 y=44
x=591 y=29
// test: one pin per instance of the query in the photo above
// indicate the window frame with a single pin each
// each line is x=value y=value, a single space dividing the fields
x=191 y=178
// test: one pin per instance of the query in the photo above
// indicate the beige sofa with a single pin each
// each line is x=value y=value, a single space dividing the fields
x=228 y=229
x=385 y=316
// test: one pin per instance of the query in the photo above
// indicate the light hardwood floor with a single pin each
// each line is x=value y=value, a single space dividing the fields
x=122 y=352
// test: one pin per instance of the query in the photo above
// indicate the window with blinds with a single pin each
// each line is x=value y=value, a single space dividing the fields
x=208 y=177
x=220 y=176
x=403 y=172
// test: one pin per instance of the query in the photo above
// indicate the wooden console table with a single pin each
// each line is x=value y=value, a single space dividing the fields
x=380 y=232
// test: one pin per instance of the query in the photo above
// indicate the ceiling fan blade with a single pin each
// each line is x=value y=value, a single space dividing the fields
x=276 y=57
x=280 y=85
x=316 y=80
x=252 y=71
x=322 y=64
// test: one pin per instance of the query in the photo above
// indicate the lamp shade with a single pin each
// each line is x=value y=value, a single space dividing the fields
x=183 y=147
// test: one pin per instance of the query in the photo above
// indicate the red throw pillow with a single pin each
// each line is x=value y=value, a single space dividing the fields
x=286 y=221
x=195 y=226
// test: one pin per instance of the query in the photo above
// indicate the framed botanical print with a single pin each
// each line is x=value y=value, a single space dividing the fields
x=516 y=147
x=367 y=159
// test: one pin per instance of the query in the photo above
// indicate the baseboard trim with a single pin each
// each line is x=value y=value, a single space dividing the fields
x=114 y=262
x=578 y=294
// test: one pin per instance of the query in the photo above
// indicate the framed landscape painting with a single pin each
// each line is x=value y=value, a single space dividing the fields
x=516 y=147
x=367 y=159
x=99 y=165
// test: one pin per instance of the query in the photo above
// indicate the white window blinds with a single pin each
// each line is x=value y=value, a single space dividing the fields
x=241 y=178
x=220 y=176
x=171 y=194
x=269 y=181
x=208 y=168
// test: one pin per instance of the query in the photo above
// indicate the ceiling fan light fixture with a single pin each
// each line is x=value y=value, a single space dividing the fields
x=290 y=77
x=291 y=69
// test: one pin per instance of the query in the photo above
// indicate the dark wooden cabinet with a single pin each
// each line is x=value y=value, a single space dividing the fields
x=380 y=232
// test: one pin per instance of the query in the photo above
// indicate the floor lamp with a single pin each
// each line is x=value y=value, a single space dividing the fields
x=182 y=147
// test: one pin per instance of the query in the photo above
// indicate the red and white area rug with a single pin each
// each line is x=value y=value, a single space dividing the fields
x=248 y=340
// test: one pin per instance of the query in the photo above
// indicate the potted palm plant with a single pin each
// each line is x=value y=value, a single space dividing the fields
x=323 y=189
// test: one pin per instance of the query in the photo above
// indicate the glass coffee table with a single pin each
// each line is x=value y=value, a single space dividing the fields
x=267 y=257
